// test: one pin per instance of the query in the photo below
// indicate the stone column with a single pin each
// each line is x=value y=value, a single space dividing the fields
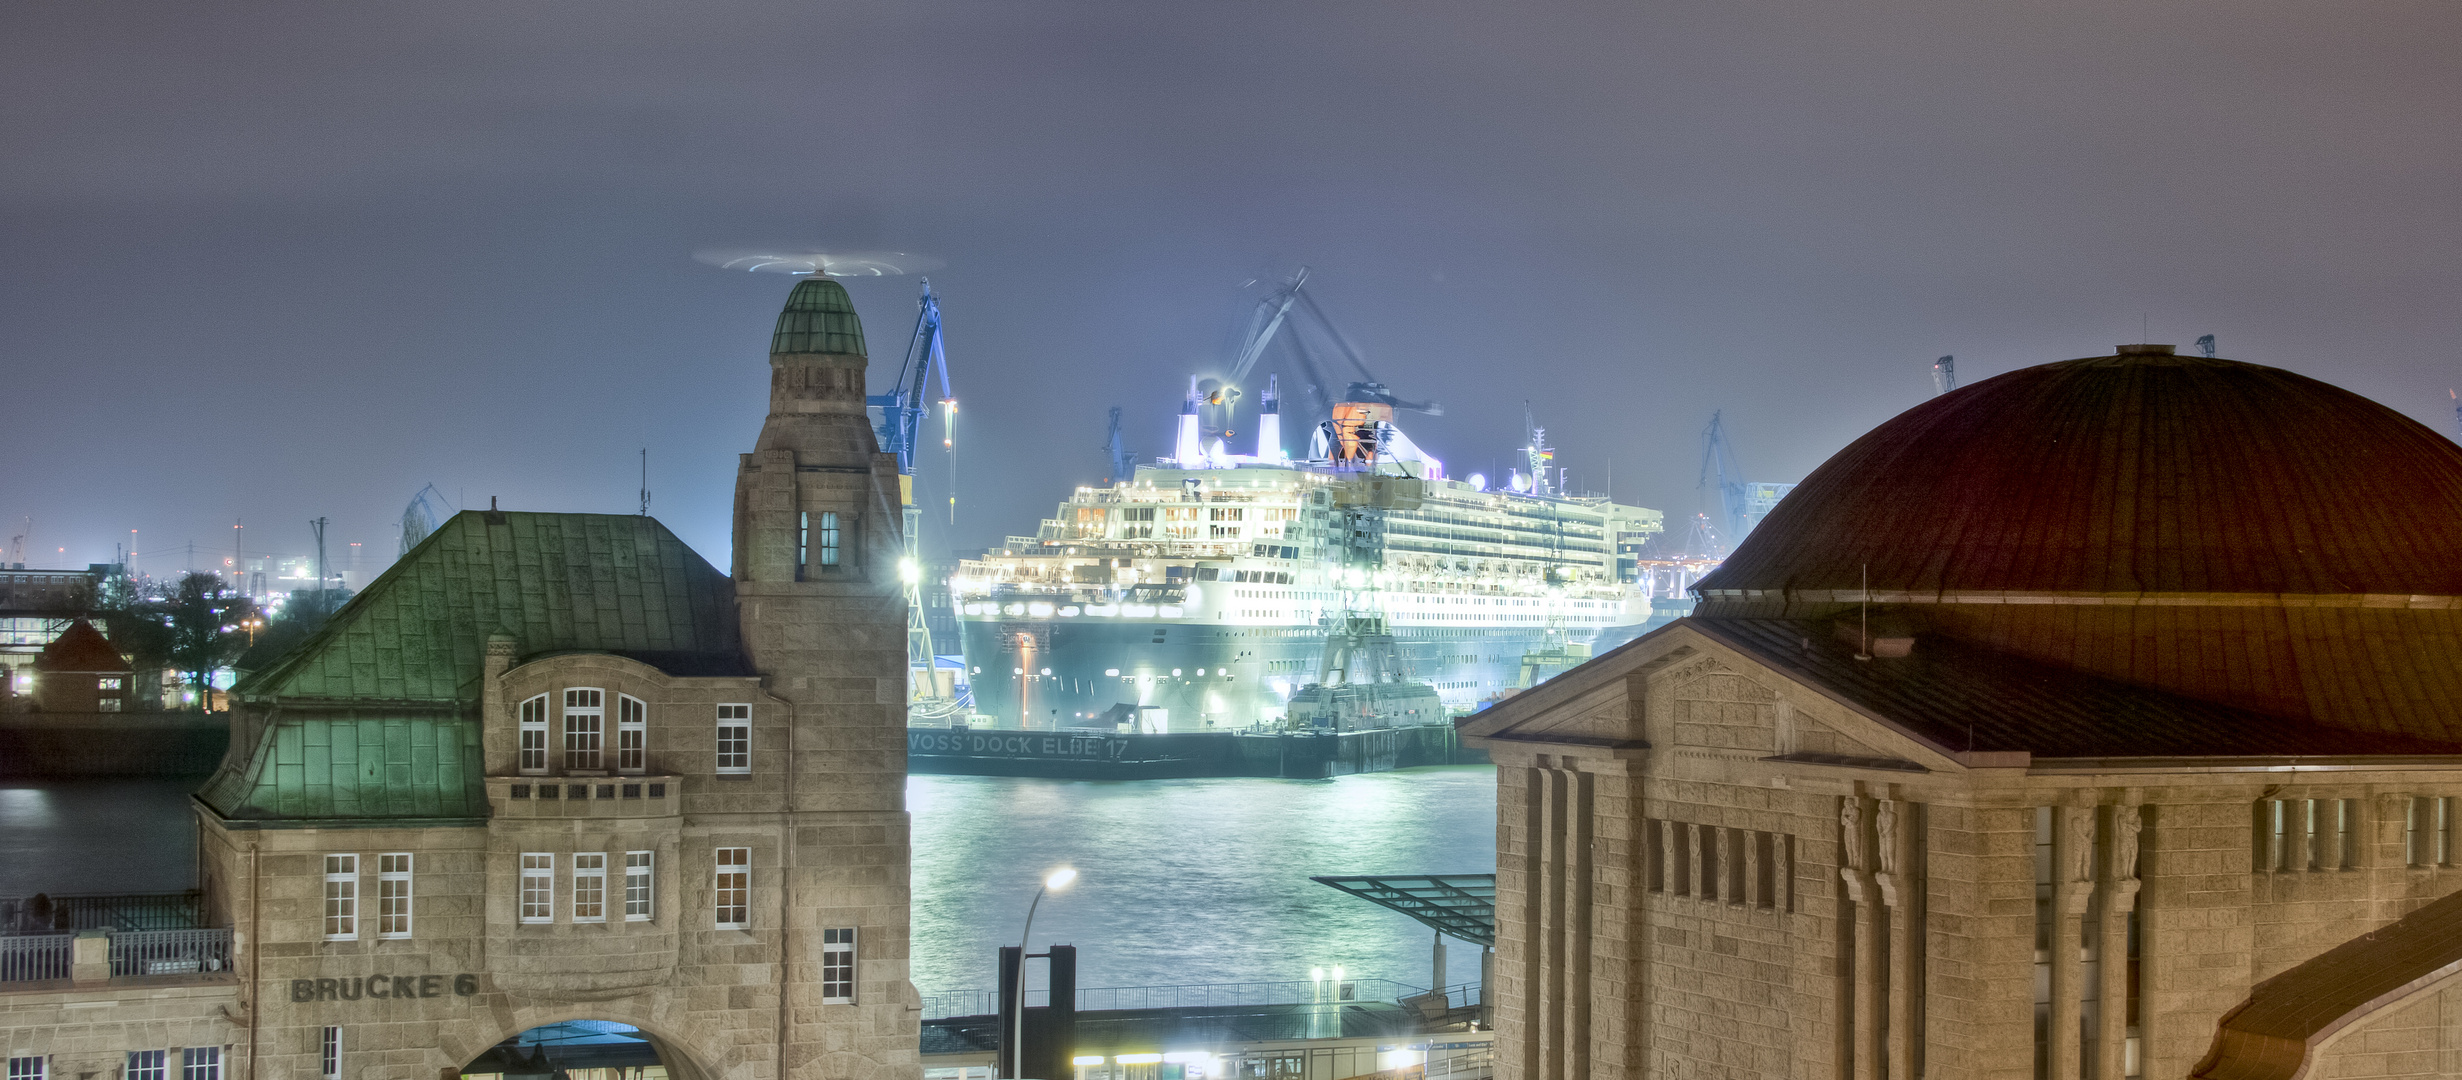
x=1864 y=1018
x=2072 y=892
x=2119 y=899
x=1895 y=843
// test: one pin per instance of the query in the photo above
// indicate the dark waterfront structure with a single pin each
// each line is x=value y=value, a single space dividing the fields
x=2032 y=735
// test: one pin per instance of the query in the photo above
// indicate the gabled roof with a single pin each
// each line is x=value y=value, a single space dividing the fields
x=376 y=716
x=81 y=647
x=608 y=583
x=1965 y=701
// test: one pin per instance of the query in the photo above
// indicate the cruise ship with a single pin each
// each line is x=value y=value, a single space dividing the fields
x=1198 y=593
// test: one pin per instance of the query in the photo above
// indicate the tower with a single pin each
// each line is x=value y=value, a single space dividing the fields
x=823 y=616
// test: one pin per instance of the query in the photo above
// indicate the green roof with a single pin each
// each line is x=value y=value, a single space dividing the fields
x=819 y=318
x=377 y=715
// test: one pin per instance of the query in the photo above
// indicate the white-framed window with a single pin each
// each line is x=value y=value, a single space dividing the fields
x=590 y=887
x=838 y=966
x=538 y=887
x=637 y=882
x=201 y=1063
x=632 y=734
x=341 y=897
x=735 y=738
x=534 y=735
x=585 y=727
x=329 y=1054
x=829 y=538
x=393 y=895
x=28 y=1068
x=734 y=894
x=143 y=1065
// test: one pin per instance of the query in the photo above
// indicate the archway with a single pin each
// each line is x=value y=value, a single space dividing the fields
x=582 y=1049
x=571 y=1050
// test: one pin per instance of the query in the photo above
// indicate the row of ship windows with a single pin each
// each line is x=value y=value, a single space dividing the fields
x=585 y=734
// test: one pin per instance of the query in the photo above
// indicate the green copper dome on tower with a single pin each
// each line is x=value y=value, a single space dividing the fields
x=819 y=318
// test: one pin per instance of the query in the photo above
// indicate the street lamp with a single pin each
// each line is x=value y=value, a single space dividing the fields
x=1058 y=880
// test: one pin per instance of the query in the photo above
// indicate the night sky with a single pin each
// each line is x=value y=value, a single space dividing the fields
x=275 y=261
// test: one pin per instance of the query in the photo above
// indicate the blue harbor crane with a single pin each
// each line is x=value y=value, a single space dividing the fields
x=1741 y=503
x=1115 y=447
x=897 y=419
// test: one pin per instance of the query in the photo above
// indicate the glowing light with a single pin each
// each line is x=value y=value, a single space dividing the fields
x=1060 y=879
x=1111 y=673
x=908 y=572
x=1175 y=673
x=1039 y=610
x=1139 y=1059
x=1088 y=1059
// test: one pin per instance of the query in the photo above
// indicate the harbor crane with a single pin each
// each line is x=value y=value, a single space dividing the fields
x=1741 y=503
x=897 y=419
x=1278 y=317
x=1115 y=447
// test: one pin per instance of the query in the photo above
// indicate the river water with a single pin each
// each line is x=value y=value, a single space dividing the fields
x=1180 y=881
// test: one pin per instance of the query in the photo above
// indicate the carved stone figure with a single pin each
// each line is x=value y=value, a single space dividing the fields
x=1885 y=821
x=2125 y=826
x=1851 y=830
x=2081 y=843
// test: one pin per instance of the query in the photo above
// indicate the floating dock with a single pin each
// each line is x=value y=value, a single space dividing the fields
x=1085 y=754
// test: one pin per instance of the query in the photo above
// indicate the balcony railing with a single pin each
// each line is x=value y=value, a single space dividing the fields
x=170 y=952
x=28 y=957
x=39 y=957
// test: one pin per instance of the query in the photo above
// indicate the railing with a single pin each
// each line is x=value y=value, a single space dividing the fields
x=27 y=957
x=1202 y=995
x=170 y=952
x=40 y=914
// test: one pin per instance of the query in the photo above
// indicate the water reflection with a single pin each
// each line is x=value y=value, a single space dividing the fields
x=1190 y=880
x=96 y=836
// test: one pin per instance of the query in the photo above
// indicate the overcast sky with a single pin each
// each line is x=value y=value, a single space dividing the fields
x=274 y=261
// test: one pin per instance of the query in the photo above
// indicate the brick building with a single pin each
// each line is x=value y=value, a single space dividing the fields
x=2099 y=720
x=557 y=767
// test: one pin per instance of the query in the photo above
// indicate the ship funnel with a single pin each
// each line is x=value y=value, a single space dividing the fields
x=1269 y=424
x=1189 y=449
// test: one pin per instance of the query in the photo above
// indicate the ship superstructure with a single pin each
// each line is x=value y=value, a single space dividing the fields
x=1197 y=594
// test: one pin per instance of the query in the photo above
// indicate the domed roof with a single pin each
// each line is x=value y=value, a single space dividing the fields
x=2138 y=473
x=819 y=318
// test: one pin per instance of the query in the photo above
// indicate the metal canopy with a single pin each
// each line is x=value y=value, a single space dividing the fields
x=1455 y=905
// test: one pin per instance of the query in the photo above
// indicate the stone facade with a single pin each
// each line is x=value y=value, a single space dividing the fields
x=558 y=768
x=1675 y=898
x=2047 y=731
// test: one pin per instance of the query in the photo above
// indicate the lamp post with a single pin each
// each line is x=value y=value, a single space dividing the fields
x=1058 y=880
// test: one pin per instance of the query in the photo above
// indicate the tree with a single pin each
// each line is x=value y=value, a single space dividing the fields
x=208 y=629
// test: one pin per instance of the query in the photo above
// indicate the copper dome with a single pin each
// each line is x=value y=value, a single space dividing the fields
x=2125 y=474
x=2225 y=531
